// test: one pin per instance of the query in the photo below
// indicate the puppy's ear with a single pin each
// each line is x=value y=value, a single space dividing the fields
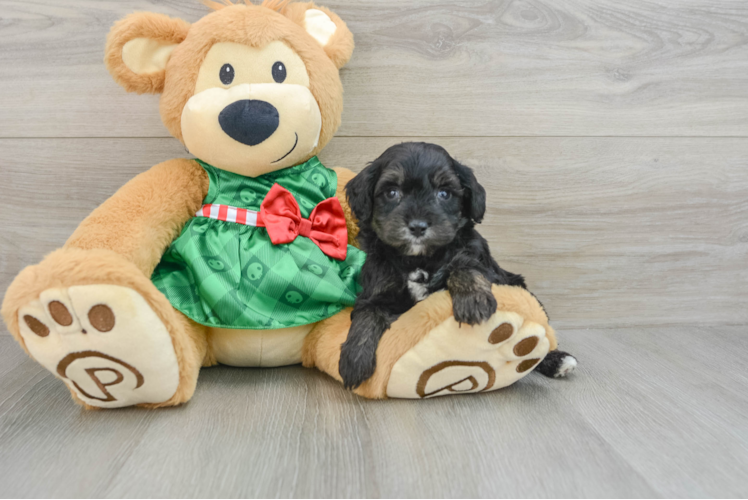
x=360 y=190
x=474 y=199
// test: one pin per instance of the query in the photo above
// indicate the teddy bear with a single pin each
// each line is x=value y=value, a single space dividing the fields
x=245 y=255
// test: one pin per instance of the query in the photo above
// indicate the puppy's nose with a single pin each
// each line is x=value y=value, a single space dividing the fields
x=249 y=121
x=418 y=227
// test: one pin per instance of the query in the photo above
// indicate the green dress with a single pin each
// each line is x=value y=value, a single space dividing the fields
x=229 y=275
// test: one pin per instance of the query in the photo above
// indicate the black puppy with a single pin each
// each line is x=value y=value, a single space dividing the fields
x=417 y=209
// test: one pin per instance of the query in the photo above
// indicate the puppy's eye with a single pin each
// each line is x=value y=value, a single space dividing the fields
x=392 y=194
x=443 y=194
x=227 y=74
x=279 y=72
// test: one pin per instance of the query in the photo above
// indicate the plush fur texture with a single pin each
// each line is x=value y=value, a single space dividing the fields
x=417 y=208
x=344 y=176
x=340 y=46
x=141 y=25
x=142 y=219
x=252 y=25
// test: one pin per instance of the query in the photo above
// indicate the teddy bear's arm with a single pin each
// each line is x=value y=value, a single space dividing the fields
x=145 y=215
x=344 y=176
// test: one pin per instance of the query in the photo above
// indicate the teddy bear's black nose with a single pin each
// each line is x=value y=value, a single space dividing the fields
x=249 y=121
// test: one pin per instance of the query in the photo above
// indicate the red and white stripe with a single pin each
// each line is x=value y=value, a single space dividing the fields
x=228 y=213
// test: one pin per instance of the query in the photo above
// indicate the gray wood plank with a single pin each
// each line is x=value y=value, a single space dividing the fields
x=296 y=433
x=423 y=68
x=10 y=353
x=671 y=401
x=52 y=447
x=608 y=231
x=250 y=439
x=651 y=412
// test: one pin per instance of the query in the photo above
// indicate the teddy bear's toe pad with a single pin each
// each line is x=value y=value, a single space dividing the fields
x=455 y=359
x=105 y=342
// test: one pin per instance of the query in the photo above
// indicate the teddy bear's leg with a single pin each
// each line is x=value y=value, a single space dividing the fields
x=97 y=323
x=427 y=353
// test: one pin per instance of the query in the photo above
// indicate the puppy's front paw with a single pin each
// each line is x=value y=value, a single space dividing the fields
x=473 y=308
x=357 y=364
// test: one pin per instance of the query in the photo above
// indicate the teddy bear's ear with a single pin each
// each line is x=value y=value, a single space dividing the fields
x=138 y=48
x=326 y=28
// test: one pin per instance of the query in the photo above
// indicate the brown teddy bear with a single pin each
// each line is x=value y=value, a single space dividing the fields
x=245 y=256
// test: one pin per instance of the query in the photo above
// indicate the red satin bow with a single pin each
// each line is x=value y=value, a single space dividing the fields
x=280 y=215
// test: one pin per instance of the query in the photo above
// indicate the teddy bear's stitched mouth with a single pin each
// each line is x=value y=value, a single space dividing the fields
x=291 y=151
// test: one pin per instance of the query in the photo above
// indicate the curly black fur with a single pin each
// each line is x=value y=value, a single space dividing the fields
x=402 y=189
x=420 y=186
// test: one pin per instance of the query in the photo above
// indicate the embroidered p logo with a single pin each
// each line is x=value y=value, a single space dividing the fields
x=456 y=376
x=93 y=373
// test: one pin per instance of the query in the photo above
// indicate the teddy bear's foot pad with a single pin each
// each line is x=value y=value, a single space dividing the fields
x=105 y=342
x=458 y=359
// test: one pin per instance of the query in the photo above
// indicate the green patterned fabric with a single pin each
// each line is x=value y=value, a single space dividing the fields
x=229 y=275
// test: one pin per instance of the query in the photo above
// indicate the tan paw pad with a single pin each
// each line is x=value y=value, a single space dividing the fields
x=501 y=333
x=35 y=325
x=59 y=310
x=525 y=346
x=527 y=365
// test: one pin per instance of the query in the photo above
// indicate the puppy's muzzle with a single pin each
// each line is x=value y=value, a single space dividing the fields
x=249 y=121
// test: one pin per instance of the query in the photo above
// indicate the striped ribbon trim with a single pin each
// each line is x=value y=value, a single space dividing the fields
x=228 y=213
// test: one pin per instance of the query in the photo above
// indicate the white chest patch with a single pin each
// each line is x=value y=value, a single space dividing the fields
x=417 y=281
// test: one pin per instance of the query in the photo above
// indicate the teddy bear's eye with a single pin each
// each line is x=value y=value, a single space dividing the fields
x=279 y=72
x=227 y=74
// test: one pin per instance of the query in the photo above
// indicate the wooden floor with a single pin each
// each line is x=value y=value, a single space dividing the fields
x=612 y=138
x=652 y=412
